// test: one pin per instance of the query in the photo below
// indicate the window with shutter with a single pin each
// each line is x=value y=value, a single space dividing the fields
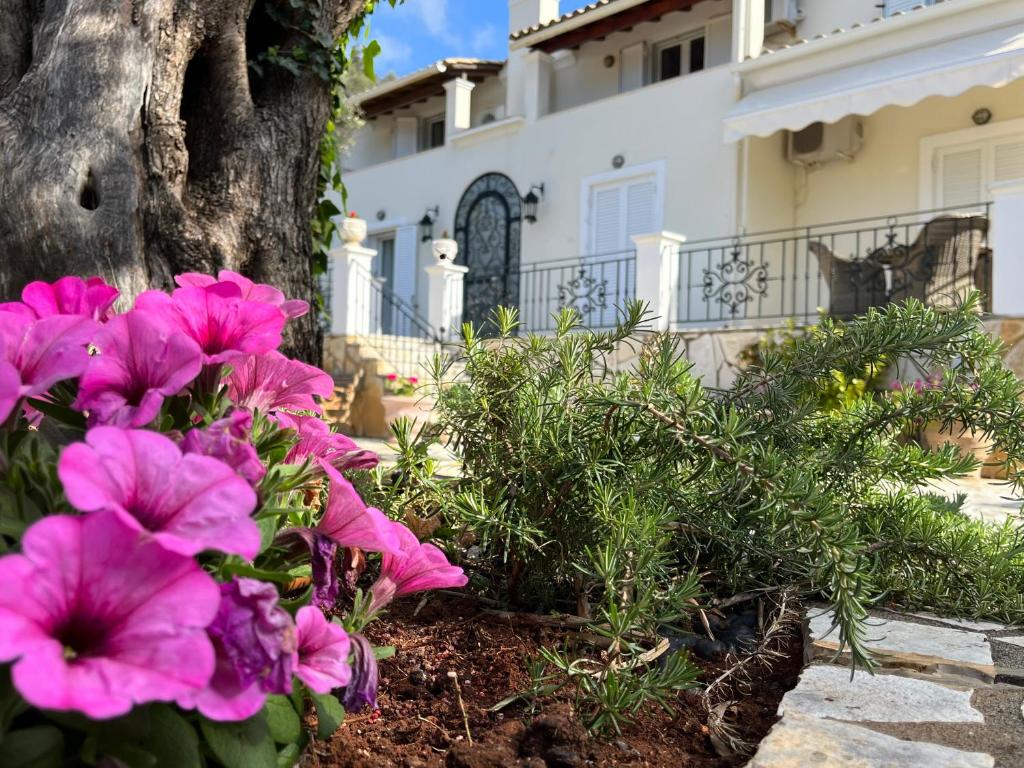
x=1009 y=160
x=961 y=176
x=964 y=172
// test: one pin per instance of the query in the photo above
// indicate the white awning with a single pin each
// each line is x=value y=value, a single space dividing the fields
x=994 y=58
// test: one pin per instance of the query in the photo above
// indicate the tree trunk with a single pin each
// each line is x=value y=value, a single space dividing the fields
x=137 y=143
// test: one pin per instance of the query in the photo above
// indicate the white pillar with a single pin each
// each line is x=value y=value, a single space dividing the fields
x=405 y=136
x=1006 y=238
x=527 y=13
x=444 y=289
x=657 y=274
x=458 y=105
x=351 y=289
x=537 y=84
x=747 y=29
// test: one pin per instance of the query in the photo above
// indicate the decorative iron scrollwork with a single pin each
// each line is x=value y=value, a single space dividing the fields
x=583 y=292
x=735 y=282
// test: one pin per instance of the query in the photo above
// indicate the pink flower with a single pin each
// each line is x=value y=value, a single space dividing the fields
x=322 y=552
x=217 y=317
x=187 y=502
x=41 y=352
x=316 y=440
x=412 y=380
x=10 y=389
x=90 y=298
x=98 y=617
x=323 y=652
x=271 y=381
x=392 y=377
x=351 y=523
x=142 y=359
x=228 y=440
x=362 y=690
x=416 y=568
x=251 y=291
x=255 y=643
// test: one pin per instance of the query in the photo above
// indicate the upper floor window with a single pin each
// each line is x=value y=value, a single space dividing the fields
x=679 y=56
x=892 y=6
x=432 y=132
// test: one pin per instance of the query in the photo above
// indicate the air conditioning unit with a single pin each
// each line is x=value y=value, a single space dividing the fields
x=823 y=142
x=781 y=15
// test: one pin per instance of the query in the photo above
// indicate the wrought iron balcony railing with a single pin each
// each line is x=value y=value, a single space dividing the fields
x=841 y=268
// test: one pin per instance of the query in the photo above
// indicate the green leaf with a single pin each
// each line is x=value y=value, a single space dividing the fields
x=11 y=703
x=247 y=744
x=172 y=740
x=38 y=747
x=237 y=569
x=289 y=756
x=330 y=714
x=61 y=413
x=282 y=720
x=370 y=51
x=383 y=652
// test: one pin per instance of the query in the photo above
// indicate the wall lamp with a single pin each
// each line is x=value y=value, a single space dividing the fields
x=534 y=196
x=427 y=223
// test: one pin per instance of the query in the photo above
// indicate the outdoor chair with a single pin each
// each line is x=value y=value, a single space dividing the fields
x=854 y=285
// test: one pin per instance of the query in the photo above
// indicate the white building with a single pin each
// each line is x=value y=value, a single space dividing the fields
x=800 y=150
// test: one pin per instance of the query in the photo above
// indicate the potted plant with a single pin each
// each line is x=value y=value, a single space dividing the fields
x=352 y=229
x=401 y=398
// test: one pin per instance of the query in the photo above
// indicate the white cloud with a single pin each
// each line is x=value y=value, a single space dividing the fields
x=434 y=15
x=395 y=54
x=484 y=40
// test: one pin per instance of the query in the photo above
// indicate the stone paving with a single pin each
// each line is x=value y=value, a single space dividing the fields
x=939 y=698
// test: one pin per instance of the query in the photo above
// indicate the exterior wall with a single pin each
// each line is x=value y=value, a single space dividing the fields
x=822 y=17
x=562 y=149
x=883 y=178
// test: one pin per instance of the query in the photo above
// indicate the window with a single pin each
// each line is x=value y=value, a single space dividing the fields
x=432 y=132
x=963 y=173
x=619 y=210
x=680 y=56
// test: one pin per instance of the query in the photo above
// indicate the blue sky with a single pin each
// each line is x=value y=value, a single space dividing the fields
x=419 y=32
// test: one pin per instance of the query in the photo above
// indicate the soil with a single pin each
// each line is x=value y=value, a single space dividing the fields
x=419 y=722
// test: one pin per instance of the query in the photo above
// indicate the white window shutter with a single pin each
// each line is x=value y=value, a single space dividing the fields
x=641 y=216
x=961 y=177
x=1009 y=160
x=607 y=220
x=406 y=246
x=631 y=67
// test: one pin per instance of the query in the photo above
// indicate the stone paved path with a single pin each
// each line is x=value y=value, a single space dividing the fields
x=948 y=693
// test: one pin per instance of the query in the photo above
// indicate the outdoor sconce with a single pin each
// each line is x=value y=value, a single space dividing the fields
x=530 y=203
x=427 y=223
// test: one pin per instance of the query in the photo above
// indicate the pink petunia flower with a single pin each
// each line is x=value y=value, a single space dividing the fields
x=99 y=618
x=225 y=325
x=323 y=652
x=271 y=381
x=317 y=441
x=91 y=298
x=141 y=360
x=251 y=291
x=256 y=652
x=187 y=502
x=10 y=388
x=42 y=352
x=228 y=440
x=416 y=568
x=350 y=523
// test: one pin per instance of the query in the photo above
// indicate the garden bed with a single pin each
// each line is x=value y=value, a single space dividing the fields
x=419 y=722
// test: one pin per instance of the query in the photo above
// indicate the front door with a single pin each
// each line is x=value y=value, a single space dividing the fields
x=487 y=228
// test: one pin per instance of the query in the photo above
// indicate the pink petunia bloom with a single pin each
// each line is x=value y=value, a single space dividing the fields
x=225 y=325
x=350 y=523
x=416 y=568
x=99 y=618
x=141 y=360
x=256 y=652
x=42 y=352
x=10 y=388
x=317 y=441
x=228 y=440
x=392 y=377
x=323 y=652
x=187 y=502
x=271 y=381
x=91 y=298
x=251 y=291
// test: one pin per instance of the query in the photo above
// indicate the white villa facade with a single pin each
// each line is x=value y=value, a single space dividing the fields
x=733 y=163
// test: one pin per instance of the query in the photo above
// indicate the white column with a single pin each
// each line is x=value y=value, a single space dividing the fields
x=1006 y=238
x=747 y=29
x=537 y=85
x=527 y=13
x=444 y=289
x=351 y=289
x=458 y=102
x=405 y=136
x=657 y=274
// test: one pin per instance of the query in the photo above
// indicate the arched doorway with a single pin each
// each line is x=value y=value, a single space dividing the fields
x=487 y=228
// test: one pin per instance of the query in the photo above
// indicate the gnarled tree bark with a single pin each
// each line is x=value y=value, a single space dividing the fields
x=137 y=143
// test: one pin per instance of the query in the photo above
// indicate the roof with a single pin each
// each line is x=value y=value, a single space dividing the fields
x=423 y=84
x=594 y=22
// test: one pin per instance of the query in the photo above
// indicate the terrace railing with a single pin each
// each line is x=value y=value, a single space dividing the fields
x=595 y=286
x=842 y=268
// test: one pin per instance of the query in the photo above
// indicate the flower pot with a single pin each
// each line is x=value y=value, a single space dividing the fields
x=415 y=407
x=967 y=442
x=352 y=231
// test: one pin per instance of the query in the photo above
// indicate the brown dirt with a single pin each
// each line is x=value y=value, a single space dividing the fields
x=419 y=723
